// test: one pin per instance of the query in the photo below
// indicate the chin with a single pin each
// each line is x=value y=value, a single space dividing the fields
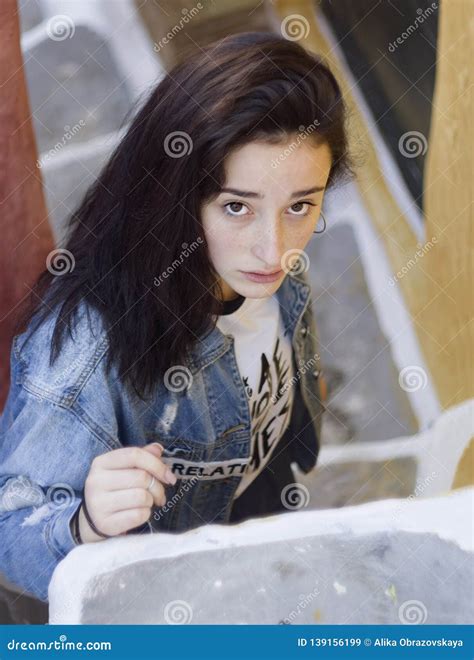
x=256 y=290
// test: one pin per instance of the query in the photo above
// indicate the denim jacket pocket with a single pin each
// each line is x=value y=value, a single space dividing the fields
x=224 y=456
x=207 y=476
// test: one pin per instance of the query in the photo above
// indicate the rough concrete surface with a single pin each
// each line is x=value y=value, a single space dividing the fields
x=391 y=562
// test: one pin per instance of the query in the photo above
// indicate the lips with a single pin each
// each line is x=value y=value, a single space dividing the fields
x=267 y=277
x=257 y=272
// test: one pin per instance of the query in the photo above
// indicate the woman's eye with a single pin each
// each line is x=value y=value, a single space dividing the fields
x=233 y=208
x=302 y=208
x=238 y=209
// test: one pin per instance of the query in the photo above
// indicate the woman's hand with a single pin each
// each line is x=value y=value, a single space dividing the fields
x=116 y=492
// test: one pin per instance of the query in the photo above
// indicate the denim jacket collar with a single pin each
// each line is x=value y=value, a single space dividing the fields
x=292 y=296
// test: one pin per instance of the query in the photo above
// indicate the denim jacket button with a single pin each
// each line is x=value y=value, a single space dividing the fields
x=315 y=373
x=304 y=331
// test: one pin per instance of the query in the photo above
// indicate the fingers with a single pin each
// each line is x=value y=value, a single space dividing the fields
x=113 y=481
x=121 y=521
x=159 y=494
x=154 y=448
x=117 y=488
x=120 y=479
x=136 y=457
x=131 y=498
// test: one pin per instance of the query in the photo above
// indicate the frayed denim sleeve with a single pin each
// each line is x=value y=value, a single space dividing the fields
x=45 y=456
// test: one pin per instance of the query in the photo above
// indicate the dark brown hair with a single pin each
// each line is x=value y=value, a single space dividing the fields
x=144 y=209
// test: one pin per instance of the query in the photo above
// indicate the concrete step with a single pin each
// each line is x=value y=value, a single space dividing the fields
x=76 y=91
x=377 y=563
x=68 y=174
x=410 y=466
x=31 y=14
x=365 y=401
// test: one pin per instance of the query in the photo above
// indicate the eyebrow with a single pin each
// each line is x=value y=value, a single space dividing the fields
x=248 y=193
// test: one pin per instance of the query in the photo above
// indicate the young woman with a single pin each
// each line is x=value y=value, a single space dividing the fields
x=166 y=373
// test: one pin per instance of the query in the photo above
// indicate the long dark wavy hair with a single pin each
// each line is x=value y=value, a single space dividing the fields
x=143 y=211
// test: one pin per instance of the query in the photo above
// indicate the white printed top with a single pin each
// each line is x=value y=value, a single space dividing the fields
x=263 y=356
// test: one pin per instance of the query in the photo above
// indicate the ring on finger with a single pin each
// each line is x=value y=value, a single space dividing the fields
x=150 y=485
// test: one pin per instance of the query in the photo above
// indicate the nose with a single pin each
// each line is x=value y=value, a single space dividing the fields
x=270 y=245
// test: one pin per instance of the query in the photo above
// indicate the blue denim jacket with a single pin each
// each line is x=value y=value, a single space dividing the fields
x=58 y=418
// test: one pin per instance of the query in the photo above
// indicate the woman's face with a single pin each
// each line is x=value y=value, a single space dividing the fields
x=263 y=212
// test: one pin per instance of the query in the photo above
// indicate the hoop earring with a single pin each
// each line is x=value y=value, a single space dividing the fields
x=324 y=220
